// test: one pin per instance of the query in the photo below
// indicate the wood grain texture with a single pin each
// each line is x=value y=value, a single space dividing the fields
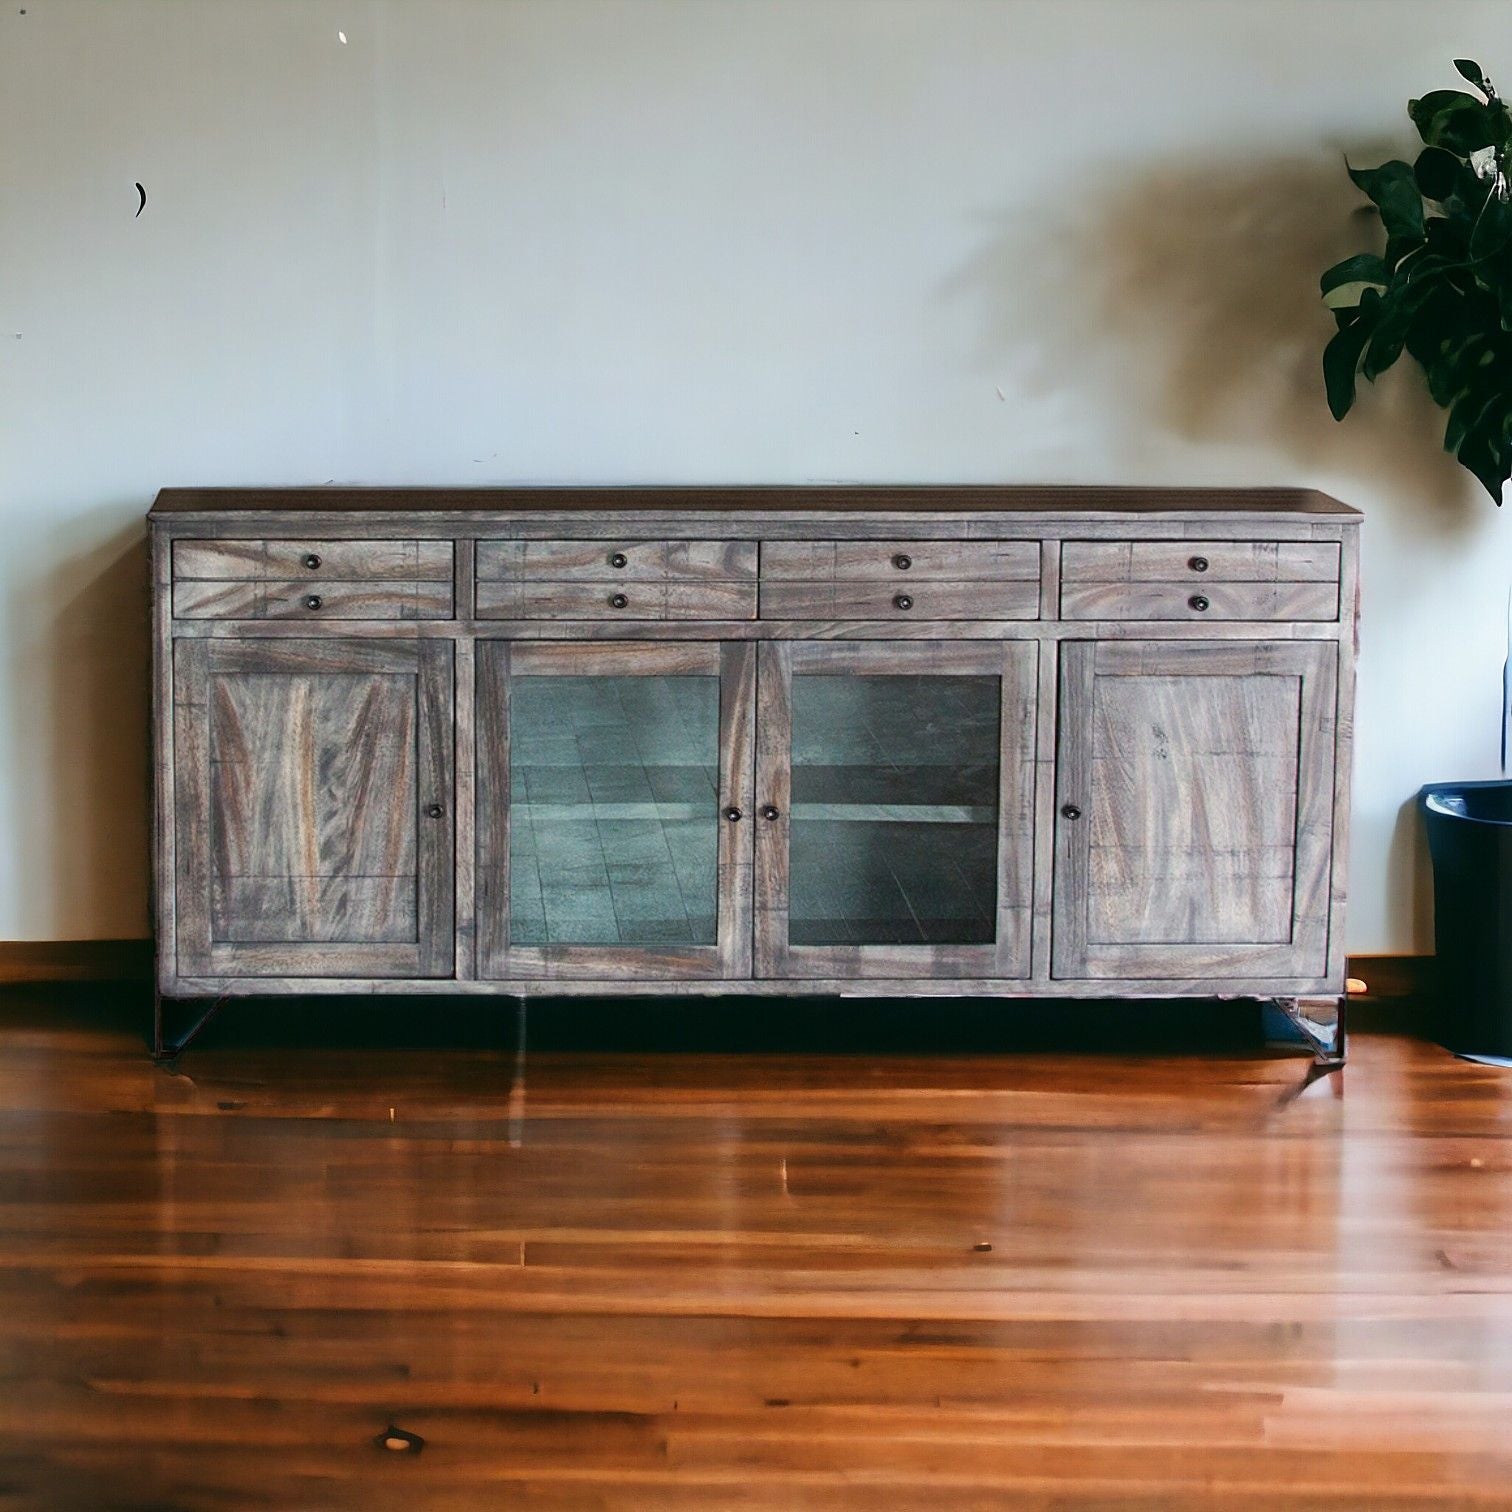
x=928 y=599
x=1274 y=557
x=1196 y=786
x=902 y=562
x=313 y=819
x=311 y=602
x=607 y=559
x=313 y=561
x=1200 y=561
x=630 y=600
x=971 y=1277
x=691 y=501
x=1204 y=601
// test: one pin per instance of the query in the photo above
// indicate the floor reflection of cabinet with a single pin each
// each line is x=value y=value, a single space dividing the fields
x=1013 y=742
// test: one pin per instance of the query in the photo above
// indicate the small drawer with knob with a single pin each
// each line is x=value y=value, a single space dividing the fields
x=900 y=561
x=337 y=600
x=1178 y=560
x=612 y=560
x=1199 y=598
x=928 y=599
x=316 y=561
x=635 y=600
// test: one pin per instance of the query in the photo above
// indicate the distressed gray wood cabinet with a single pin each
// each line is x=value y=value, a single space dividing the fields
x=1018 y=742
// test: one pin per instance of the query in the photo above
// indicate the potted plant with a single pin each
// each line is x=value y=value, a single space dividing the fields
x=1441 y=290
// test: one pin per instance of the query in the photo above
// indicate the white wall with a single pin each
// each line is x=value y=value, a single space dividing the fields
x=725 y=240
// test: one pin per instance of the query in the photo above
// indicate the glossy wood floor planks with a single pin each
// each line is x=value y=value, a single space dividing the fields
x=601 y=1276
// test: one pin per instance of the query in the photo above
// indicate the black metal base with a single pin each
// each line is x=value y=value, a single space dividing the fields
x=1311 y=1019
x=166 y=1047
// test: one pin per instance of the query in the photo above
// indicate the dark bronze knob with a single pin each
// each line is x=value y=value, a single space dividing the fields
x=902 y=562
x=1070 y=811
x=903 y=601
x=1198 y=602
x=617 y=601
x=312 y=561
x=313 y=601
x=619 y=559
x=770 y=811
x=733 y=814
x=1198 y=564
x=434 y=810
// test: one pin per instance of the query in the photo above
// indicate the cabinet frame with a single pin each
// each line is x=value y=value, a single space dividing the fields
x=1304 y=955
x=1015 y=664
x=499 y=663
x=196 y=662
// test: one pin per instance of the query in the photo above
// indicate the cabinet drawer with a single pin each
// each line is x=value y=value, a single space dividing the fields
x=353 y=561
x=899 y=600
x=1199 y=600
x=949 y=561
x=641 y=600
x=1176 y=561
x=312 y=601
x=610 y=560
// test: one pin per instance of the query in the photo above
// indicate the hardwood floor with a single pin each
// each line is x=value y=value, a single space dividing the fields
x=600 y=1274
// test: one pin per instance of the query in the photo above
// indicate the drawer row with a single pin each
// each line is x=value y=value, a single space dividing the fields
x=733 y=580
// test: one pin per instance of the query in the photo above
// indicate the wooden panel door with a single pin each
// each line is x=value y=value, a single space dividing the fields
x=895 y=815
x=1195 y=789
x=314 y=808
x=614 y=809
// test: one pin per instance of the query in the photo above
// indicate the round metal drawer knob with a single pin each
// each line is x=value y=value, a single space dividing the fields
x=1070 y=811
x=733 y=814
x=903 y=601
x=902 y=561
x=1198 y=602
x=1198 y=564
x=618 y=601
x=434 y=810
x=312 y=562
x=313 y=601
x=619 y=559
x=770 y=811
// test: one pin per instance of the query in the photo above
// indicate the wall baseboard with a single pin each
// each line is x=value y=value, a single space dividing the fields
x=1385 y=976
x=75 y=961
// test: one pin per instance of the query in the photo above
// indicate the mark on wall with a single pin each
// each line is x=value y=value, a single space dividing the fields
x=142 y=193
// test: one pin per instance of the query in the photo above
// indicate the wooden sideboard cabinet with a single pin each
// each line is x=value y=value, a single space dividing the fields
x=1014 y=742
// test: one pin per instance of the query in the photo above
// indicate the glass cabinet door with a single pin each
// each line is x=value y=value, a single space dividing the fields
x=894 y=788
x=613 y=809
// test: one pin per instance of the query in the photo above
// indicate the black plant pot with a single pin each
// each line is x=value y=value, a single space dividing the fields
x=1470 y=840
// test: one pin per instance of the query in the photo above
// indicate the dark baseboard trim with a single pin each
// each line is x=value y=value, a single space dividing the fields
x=1385 y=976
x=1393 y=976
x=75 y=961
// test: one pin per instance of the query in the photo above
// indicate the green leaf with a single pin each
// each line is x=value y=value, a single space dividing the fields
x=1341 y=357
x=1485 y=451
x=1344 y=284
x=1398 y=310
x=1437 y=172
x=1451 y=118
x=1467 y=69
x=1394 y=192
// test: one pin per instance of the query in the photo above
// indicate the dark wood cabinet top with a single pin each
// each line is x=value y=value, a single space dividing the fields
x=821 y=499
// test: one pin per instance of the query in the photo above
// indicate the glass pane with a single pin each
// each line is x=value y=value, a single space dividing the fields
x=614 y=827
x=894 y=811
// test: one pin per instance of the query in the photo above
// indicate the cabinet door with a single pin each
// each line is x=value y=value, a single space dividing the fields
x=895 y=828
x=1194 y=807
x=314 y=808
x=613 y=809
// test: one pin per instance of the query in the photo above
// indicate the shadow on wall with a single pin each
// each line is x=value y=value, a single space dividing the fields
x=1183 y=303
x=86 y=622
